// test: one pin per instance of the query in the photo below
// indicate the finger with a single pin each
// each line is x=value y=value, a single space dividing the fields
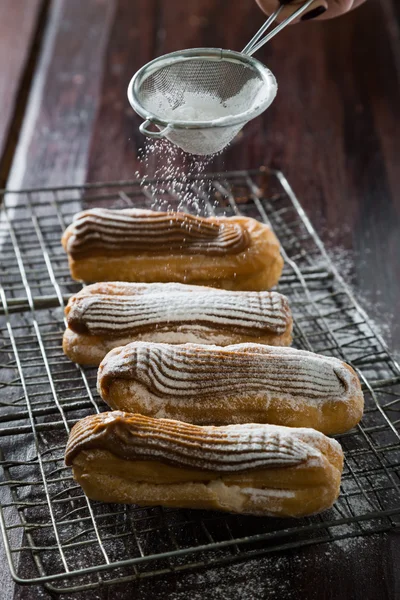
x=337 y=8
x=320 y=9
x=317 y=8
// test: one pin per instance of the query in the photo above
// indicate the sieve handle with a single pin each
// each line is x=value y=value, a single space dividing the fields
x=258 y=41
x=153 y=134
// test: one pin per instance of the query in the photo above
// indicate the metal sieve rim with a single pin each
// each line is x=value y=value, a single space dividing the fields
x=212 y=54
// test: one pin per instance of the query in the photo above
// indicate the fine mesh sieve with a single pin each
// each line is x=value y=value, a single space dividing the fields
x=200 y=98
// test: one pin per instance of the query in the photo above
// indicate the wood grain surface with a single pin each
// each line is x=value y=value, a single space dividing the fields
x=334 y=129
x=54 y=141
x=18 y=24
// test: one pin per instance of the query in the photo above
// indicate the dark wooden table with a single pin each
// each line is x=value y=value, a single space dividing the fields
x=334 y=130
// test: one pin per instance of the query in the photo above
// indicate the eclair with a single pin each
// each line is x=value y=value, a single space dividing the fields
x=104 y=316
x=250 y=469
x=242 y=383
x=145 y=246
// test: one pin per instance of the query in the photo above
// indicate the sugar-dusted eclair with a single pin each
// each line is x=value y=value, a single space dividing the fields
x=104 y=316
x=243 y=383
x=235 y=253
x=253 y=469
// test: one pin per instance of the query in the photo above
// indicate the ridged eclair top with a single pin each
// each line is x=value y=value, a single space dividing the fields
x=221 y=449
x=192 y=372
x=124 y=231
x=143 y=307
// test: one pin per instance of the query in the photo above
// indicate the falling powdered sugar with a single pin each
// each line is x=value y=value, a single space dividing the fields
x=172 y=179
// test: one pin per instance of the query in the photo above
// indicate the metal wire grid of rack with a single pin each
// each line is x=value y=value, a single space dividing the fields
x=52 y=533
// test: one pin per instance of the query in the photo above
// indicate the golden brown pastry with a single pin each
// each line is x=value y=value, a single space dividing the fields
x=235 y=253
x=254 y=469
x=106 y=315
x=243 y=383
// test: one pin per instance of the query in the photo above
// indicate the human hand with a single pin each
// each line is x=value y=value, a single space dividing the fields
x=319 y=9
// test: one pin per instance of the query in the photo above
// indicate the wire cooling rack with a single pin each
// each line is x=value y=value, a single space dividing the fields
x=52 y=533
